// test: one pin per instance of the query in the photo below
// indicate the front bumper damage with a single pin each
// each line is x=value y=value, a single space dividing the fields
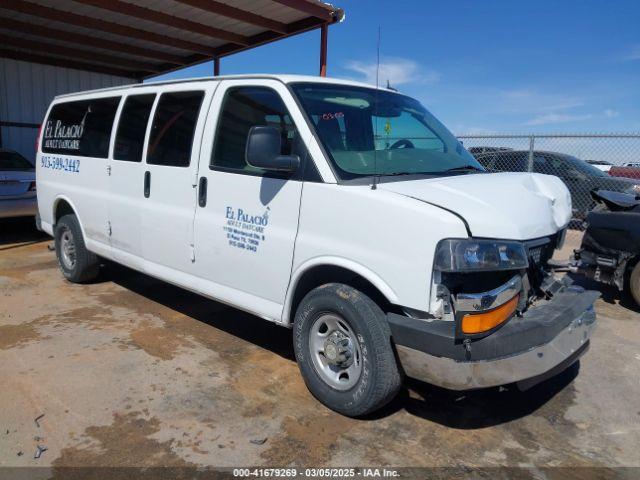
x=544 y=341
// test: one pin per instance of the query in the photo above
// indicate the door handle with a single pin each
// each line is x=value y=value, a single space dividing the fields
x=202 y=192
x=147 y=184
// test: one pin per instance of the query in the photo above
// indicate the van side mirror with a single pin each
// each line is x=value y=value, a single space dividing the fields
x=263 y=150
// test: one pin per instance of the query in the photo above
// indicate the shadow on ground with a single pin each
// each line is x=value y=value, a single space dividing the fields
x=610 y=294
x=461 y=410
x=19 y=231
x=243 y=325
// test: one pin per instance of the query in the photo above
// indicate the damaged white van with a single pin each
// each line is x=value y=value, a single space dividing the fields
x=344 y=211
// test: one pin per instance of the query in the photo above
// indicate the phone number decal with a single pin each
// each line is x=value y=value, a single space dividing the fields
x=61 y=163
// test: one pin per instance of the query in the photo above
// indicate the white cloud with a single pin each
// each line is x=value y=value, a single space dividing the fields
x=555 y=117
x=549 y=118
x=397 y=71
x=462 y=129
x=533 y=101
x=634 y=54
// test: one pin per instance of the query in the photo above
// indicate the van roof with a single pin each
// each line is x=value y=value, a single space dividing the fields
x=282 y=78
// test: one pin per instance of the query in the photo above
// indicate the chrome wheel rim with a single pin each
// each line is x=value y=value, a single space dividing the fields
x=68 y=249
x=335 y=351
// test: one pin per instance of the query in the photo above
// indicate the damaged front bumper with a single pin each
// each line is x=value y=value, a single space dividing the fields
x=545 y=340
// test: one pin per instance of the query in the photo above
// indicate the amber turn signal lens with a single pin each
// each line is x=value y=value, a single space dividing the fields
x=482 y=322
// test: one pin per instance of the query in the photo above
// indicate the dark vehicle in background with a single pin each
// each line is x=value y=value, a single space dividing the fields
x=479 y=150
x=17 y=185
x=625 y=172
x=610 y=247
x=579 y=177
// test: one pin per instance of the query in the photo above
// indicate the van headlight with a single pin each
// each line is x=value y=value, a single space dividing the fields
x=472 y=255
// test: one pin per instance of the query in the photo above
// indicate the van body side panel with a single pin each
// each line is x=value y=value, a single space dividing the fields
x=390 y=235
x=82 y=180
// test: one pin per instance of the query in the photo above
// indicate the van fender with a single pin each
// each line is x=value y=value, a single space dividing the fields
x=355 y=267
x=56 y=202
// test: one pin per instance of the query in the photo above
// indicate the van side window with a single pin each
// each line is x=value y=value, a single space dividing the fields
x=132 y=127
x=243 y=108
x=80 y=128
x=173 y=128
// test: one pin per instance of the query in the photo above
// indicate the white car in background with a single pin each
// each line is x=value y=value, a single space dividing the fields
x=17 y=186
x=600 y=164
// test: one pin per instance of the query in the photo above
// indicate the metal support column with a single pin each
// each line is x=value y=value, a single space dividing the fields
x=216 y=66
x=324 y=32
x=531 y=147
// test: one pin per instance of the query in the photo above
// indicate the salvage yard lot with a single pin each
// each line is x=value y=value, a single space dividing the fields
x=131 y=371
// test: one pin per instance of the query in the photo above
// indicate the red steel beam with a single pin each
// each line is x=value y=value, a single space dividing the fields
x=102 y=25
x=142 y=13
x=310 y=8
x=263 y=38
x=65 y=63
x=237 y=14
x=324 y=34
x=42 y=47
x=86 y=40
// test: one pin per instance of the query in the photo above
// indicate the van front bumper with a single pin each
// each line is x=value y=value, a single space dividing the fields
x=547 y=339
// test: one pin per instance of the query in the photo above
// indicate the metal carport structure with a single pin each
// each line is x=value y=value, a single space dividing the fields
x=101 y=43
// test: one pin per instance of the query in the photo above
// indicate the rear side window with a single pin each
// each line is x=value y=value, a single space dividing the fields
x=132 y=127
x=243 y=108
x=80 y=128
x=173 y=128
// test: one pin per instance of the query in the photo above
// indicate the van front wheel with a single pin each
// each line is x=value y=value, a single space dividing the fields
x=77 y=264
x=343 y=348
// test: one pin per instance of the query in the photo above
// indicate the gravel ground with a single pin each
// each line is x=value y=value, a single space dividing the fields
x=131 y=371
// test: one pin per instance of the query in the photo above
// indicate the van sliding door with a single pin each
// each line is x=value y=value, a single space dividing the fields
x=127 y=172
x=169 y=181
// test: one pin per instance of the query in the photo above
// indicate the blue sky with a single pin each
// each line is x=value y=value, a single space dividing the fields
x=482 y=66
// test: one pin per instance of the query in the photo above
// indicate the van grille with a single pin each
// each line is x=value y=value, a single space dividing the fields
x=539 y=252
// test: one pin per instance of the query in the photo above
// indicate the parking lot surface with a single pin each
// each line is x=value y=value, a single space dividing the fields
x=131 y=371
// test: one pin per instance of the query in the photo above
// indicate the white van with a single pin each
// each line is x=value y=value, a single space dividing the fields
x=346 y=212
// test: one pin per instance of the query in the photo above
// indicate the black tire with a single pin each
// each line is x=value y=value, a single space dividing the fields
x=634 y=283
x=379 y=379
x=85 y=265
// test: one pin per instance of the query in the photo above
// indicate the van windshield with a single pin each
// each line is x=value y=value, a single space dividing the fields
x=377 y=132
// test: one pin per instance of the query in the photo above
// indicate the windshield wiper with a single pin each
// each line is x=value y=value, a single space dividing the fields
x=395 y=174
x=465 y=168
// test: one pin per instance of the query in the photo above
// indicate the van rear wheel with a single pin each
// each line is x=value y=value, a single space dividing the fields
x=343 y=348
x=77 y=264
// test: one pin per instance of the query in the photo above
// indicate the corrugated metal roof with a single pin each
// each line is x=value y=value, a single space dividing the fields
x=26 y=90
x=142 y=38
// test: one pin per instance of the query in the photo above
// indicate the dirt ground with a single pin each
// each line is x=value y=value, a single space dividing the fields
x=131 y=371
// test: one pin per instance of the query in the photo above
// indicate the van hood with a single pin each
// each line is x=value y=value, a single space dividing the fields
x=516 y=206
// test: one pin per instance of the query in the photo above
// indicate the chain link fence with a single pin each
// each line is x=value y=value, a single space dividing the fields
x=583 y=162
